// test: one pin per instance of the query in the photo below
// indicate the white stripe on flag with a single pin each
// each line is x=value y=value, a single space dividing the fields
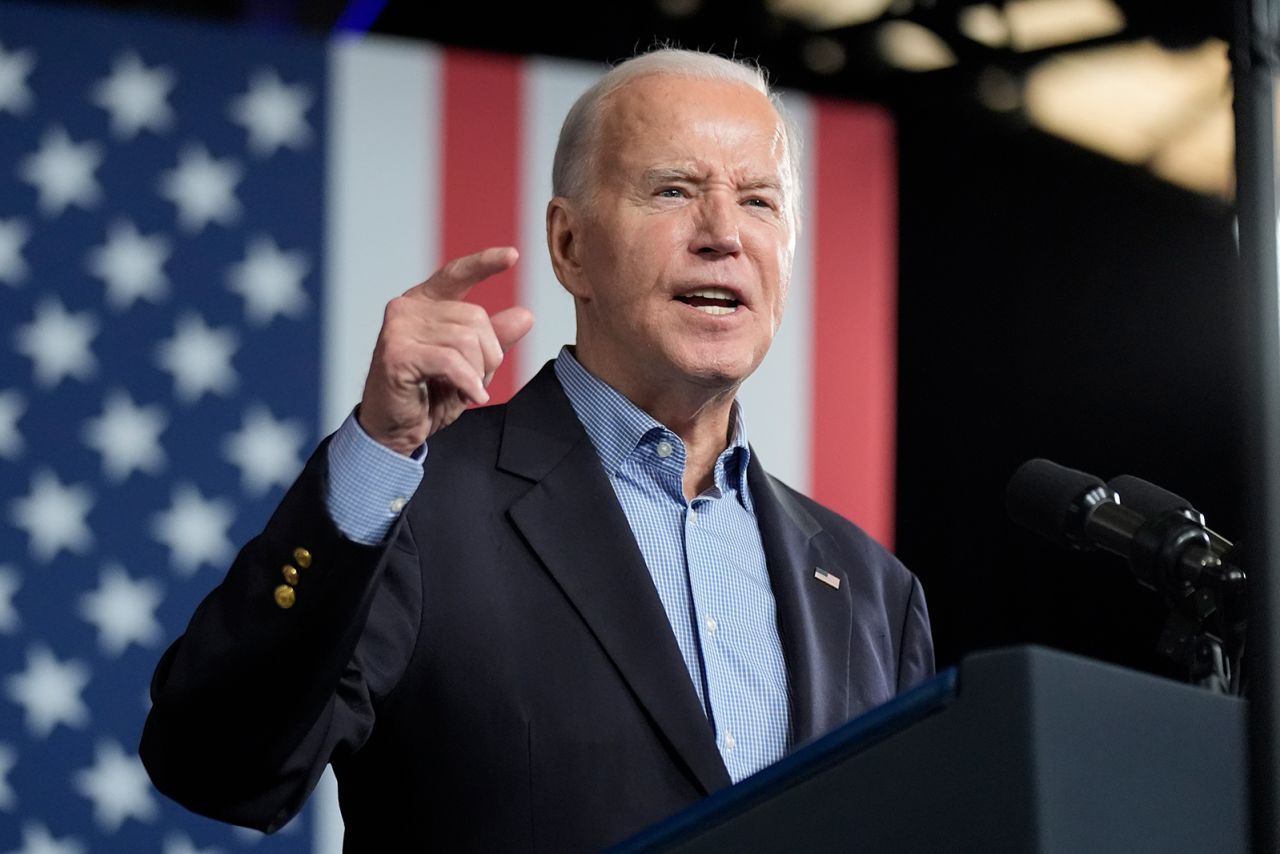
x=382 y=229
x=777 y=401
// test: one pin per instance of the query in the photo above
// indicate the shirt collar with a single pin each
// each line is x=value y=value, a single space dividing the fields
x=616 y=426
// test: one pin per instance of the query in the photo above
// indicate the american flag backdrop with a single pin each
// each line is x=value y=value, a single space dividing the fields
x=199 y=228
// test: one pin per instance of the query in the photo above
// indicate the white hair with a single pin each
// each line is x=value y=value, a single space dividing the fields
x=574 y=162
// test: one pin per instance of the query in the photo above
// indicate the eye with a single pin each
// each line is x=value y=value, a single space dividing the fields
x=670 y=193
x=759 y=202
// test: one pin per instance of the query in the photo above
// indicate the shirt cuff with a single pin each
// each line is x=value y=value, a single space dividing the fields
x=369 y=484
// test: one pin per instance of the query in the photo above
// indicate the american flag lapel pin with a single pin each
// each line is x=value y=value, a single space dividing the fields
x=827 y=578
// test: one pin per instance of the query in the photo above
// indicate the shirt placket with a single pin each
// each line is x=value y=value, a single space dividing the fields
x=702 y=557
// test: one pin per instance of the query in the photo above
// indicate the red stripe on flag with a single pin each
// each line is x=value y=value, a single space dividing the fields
x=480 y=174
x=855 y=315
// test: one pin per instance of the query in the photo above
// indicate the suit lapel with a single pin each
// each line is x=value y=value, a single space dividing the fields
x=814 y=619
x=601 y=570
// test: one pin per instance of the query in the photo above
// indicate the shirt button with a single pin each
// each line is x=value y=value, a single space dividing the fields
x=664 y=449
x=397 y=504
x=711 y=625
x=729 y=742
x=693 y=516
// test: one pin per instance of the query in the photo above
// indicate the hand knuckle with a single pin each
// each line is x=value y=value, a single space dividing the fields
x=474 y=314
x=451 y=270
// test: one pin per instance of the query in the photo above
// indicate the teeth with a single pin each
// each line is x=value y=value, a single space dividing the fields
x=712 y=293
x=714 y=309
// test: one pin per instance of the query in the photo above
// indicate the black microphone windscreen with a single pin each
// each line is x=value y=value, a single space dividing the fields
x=1049 y=499
x=1147 y=498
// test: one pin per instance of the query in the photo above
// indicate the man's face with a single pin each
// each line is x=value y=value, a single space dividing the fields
x=684 y=247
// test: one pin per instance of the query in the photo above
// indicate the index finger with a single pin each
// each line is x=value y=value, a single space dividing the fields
x=453 y=280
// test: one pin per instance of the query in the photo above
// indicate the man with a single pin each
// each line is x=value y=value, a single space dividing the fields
x=597 y=607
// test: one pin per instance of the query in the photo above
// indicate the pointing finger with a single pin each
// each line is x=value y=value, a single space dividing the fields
x=453 y=280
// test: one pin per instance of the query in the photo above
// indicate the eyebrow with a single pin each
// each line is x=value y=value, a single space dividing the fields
x=679 y=174
x=661 y=174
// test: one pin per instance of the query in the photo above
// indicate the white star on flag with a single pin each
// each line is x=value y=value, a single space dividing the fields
x=127 y=436
x=123 y=610
x=14 y=234
x=8 y=758
x=36 y=839
x=180 y=843
x=203 y=189
x=15 y=65
x=118 y=786
x=10 y=584
x=49 y=691
x=12 y=406
x=135 y=96
x=53 y=515
x=131 y=265
x=63 y=172
x=194 y=530
x=270 y=281
x=265 y=450
x=273 y=113
x=199 y=358
x=57 y=342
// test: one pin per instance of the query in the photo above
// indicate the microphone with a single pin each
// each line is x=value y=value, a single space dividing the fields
x=1151 y=500
x=1166 y=550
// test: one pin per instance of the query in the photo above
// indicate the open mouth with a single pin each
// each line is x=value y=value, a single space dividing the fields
x=711 y=300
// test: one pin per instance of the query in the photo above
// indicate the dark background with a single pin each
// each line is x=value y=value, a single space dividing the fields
x=1053 y=303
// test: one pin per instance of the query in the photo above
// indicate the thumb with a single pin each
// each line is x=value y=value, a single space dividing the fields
x=510 y=325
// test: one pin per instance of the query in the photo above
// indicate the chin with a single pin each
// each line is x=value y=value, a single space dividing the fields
x=719 y=372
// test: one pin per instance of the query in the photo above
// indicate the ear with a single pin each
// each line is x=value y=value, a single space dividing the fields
x=564 y=223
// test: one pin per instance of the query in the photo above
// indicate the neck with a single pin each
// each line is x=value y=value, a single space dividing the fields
x=699 y=415
x=704 y=429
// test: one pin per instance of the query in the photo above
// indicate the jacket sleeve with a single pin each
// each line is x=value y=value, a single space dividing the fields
x=915 y=643
x=254 y=699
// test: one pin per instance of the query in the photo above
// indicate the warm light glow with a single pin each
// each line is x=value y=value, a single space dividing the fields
x=1201 y=159
x=1035 y=24
x=912 y=47
x=824 y=55
x=985 y=24
x=998 y=90
x=830 y=14
x=1127 y=101
x=679 y=8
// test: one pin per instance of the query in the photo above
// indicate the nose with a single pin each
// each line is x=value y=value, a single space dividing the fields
x=716 y=234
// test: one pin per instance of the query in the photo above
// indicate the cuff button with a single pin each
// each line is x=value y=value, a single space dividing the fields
x=285 y=596
x=290 y=574
x=302 y=558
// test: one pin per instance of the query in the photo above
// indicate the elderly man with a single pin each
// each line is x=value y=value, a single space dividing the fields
x=597 y=607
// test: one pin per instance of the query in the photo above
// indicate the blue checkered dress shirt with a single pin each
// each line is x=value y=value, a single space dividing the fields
x=707 y=564
x=705 y=555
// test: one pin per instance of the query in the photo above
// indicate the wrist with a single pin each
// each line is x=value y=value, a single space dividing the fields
x=405 y=442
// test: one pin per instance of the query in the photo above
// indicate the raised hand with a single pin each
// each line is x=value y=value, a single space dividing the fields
x=436 y=353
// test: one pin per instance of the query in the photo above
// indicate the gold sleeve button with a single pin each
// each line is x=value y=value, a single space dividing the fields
x=285 y=596
x=302 y=558
x=290 y=574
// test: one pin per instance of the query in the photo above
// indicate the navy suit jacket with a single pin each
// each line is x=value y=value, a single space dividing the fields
x=501 y=675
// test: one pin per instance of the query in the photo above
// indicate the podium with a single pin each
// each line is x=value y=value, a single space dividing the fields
x=1021 y=750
